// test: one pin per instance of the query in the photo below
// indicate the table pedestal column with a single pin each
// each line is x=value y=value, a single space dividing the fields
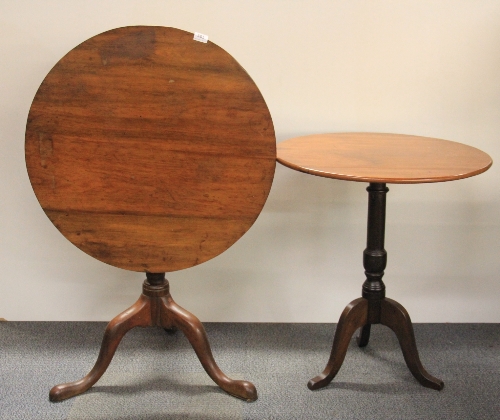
x=373 y=307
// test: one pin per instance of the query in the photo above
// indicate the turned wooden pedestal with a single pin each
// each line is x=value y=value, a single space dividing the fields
x=373 y=307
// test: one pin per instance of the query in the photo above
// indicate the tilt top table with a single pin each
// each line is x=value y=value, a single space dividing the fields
x=151 y=152
x=379 y=159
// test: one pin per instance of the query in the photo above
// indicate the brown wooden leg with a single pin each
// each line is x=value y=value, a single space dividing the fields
x=137 y=315
x=364 y=336
x=190 y=325
x=353 y=317
x=395 y=316
x=170 y=331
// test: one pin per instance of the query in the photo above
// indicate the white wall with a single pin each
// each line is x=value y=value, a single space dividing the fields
x=420 y=67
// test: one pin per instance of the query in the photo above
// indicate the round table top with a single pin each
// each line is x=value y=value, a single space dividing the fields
x=382 y=158
x=149 y=150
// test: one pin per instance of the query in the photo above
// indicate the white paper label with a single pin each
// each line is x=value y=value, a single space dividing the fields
x=200 y=37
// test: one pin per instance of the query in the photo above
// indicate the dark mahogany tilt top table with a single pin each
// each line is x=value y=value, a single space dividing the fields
x=151 y=152
x=379 y=159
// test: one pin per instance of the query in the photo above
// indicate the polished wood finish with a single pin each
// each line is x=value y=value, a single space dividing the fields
x=382 y=158
x=151 y=152
x=155 y=307
x=379 y=159
x=148 y=150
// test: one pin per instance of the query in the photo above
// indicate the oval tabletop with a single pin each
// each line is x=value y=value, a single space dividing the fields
x=382 y=158
x=149 y=150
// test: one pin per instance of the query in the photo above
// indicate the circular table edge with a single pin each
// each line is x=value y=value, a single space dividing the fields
x=384 y=180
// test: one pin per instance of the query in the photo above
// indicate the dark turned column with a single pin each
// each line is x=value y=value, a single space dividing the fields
x=375 y=256
x=155 y=285
x=155 y=279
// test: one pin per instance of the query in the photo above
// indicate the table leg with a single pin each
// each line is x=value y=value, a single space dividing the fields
x=397 y=319
x=137 y=315
x=353 y=317
x=364 y=335
x=373 y=307
x=190 y=325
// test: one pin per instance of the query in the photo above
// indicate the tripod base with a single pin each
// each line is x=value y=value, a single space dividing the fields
x=155 y=307
x=392 y=315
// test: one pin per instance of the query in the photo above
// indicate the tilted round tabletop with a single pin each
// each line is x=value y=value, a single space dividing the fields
x=382 y=158
x=148 y=150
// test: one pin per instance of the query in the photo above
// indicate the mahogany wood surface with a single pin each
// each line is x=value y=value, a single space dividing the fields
x=148 y=150
x=382 y=158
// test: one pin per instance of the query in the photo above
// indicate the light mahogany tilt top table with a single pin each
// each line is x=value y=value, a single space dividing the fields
x=379 y=159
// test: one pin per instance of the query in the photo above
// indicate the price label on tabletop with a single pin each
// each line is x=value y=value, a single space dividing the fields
x=200 y=37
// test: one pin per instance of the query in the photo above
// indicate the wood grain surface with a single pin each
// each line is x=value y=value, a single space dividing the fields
x=384 y=158
x=148 y=150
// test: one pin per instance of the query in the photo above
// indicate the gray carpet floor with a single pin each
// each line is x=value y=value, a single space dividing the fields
x=157 y=376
